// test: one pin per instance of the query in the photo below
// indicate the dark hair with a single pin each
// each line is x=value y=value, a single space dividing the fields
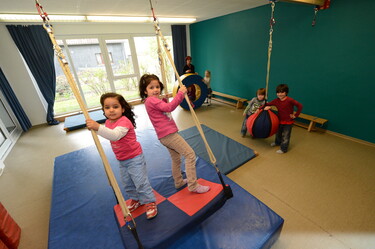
x=145 y=81
x=127 y=107
x=282 y=88
x=261 y=91
x=188 y=58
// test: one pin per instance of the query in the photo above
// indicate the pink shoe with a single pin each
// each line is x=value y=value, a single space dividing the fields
x=201 y=189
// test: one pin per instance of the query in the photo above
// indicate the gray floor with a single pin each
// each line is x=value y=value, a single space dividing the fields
x=324 y=187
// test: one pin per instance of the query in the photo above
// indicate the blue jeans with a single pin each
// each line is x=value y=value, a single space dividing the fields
x=134 y=177
x=283 y=136
x=244 y=127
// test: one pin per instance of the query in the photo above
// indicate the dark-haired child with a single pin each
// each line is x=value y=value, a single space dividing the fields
x=166 y=129
x=253 y=105
x=119 y=129
x=285 y=107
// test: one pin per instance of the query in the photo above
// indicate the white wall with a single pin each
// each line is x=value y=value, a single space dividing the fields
x=22 y=82
x=19 y=78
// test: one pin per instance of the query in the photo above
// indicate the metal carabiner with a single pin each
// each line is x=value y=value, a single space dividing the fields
x=316 y=9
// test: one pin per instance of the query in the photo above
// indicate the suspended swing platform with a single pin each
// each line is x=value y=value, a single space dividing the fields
x=82 y=209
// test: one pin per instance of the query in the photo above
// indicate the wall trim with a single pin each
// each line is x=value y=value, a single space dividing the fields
x=351 y=138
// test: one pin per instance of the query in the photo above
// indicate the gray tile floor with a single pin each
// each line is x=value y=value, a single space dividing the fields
x=324 y=187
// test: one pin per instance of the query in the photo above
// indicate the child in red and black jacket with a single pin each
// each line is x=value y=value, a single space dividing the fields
x=285 y=106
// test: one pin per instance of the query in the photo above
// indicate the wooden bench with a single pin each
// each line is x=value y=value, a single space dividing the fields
x=239 y=101
x=313 y=121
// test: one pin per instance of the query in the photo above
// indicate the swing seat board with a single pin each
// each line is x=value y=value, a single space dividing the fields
x=177 y=214
x=82 y=214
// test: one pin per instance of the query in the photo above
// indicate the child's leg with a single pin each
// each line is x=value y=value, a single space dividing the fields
x=127 y=181
x=209 y=96
x=176 y=168
x=138 y=174
x=278 y=136
x=175 y=143
x=285 y=139
x=176 y=160
x=244 y=127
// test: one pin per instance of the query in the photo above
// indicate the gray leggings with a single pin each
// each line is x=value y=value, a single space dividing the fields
x=177 y=147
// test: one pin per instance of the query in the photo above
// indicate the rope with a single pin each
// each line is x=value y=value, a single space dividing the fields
x=226 y=188
x=195 y=118
x=162 y=66
x=64 y=65
x=272 y=22
x=160 y=56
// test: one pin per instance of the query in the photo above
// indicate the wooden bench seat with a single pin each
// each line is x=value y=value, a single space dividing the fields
x=239 y=101
x=313 y=121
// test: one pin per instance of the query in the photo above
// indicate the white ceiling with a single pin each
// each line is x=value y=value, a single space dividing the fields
x=200 y=9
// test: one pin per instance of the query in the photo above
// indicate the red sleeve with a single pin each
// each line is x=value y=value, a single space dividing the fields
x=269 y=103
x=299 y=107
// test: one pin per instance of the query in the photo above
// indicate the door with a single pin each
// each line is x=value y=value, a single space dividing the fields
x=10 y=129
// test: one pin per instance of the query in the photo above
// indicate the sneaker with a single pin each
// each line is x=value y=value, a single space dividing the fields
x=151 y=210
x=201 y=189
x=133 y=205
x=273 y=144
x=280 y=152
x=243 y=134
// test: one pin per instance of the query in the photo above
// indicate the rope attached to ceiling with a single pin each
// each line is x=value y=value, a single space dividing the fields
x=128 y=218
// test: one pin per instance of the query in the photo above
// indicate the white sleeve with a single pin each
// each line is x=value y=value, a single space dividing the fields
x=113 y=135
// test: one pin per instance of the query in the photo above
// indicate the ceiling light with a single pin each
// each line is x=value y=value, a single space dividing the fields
x=66 y=18
x=118 y=19
x=19 y=18
x=37 y=18
x=176 y=20
x=139 y=19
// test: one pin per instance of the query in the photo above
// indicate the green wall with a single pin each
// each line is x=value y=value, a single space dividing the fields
x=329 y=68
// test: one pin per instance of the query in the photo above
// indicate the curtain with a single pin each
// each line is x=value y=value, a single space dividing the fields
x=36 y=48
x=13 y=102
x=179 y=46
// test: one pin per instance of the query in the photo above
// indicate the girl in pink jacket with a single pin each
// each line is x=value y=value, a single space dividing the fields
x=166 y=129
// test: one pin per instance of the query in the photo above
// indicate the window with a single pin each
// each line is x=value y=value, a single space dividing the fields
x=99 y=58
x=65 y=100
x=6 y=118
x=10 y=129
x=101 y=65
x=147 y=53
x=122 y=64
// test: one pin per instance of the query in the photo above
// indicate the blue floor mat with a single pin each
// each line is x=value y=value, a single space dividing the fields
x=82 y=205
x=229 y=154
x=78 y=121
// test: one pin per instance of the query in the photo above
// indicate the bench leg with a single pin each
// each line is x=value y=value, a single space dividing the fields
x=311 y=126
x=239 y=105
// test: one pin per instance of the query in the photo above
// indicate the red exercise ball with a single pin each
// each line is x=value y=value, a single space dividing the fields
x=262 y=124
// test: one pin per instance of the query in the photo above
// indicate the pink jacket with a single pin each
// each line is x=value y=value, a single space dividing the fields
x=160 y=116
